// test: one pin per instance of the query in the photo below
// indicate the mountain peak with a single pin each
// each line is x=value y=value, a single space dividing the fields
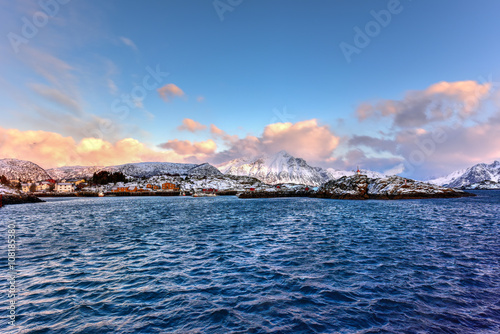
x=282 y=168
x=468 y=177
x=282 y=153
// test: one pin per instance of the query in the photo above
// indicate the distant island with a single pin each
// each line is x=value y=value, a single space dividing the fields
x=361 y=187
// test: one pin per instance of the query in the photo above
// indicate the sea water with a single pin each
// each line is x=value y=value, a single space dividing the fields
x=229 y=265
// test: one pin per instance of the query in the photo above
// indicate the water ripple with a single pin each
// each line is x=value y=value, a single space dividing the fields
x=223 y=265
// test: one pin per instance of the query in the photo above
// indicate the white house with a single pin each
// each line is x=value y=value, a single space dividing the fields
x=43 y=186
x=65 y=187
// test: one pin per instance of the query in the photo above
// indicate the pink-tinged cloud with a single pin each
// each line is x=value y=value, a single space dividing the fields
x=305 y=139
x=169 y=92
x=216 y=131
x=443 y=150
x=191 y=125
x=50 y=149
x=435 y=151
x=200 y=99
x=439 y=102
x=187 y=148
x=461 y=89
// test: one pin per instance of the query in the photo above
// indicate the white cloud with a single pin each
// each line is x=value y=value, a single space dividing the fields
x=128 y=42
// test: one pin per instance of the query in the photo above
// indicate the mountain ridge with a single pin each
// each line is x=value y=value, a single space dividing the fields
x=282 y=167
x=477 y=176
x=26 y=171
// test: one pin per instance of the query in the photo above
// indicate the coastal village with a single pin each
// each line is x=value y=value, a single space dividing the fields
x=77 y=187
x=81 y=185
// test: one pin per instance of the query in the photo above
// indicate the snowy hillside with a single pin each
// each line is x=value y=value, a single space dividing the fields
x=204 y=170
x=73 y=172
x=472 y=176
x=149 y=169
x=142 y=169
x=284 y=168
x=192 y=183
x=26 y=171
x=274 y=169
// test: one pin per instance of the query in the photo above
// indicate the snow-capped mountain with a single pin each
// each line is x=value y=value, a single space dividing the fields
x=278 y=168
x=284 y=168
x=73 y=172
x=149 y=169
x=470 y=177
x=26 y=171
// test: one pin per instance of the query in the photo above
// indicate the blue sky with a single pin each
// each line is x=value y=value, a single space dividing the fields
x=268 y=75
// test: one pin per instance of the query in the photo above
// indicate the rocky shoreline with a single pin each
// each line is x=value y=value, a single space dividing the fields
x=19 y=199
x=360 y=187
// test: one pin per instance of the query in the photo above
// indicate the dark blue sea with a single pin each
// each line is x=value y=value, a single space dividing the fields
x=229 y=265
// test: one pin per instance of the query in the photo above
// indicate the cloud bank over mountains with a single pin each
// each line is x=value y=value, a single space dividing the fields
x=427 y=133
